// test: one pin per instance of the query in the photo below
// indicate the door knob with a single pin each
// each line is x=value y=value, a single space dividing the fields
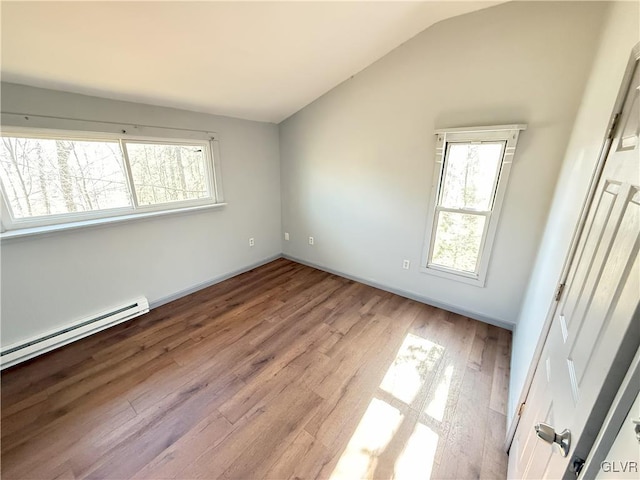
x=549 y=435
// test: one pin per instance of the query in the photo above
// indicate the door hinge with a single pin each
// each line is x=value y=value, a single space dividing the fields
x=521 y=409
x=559 y=292
x=612 y=126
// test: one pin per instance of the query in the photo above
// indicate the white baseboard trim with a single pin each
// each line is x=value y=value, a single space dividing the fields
x=220 y=278
x=407 y=294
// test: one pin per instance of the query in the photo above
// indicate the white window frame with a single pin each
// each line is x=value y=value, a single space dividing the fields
x=506 y=134
x=10 y=226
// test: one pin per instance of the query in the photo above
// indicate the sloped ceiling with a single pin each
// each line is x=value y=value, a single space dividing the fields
x=254 y=60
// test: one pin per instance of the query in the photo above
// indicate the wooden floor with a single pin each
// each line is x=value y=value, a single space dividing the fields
x=282 y=372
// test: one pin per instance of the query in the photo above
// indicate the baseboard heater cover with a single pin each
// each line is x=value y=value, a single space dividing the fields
x=24 y=350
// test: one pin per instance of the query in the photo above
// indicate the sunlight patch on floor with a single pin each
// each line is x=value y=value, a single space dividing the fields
x=417 y=356
x=375 y=431
x=416 y=460
x=411 y=447
x=436 y=407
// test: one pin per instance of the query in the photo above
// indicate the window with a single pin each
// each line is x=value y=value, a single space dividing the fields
x=51 y=177
x=470 y=178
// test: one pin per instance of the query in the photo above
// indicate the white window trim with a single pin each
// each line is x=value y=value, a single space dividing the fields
x=16 y=227
x=501 y=133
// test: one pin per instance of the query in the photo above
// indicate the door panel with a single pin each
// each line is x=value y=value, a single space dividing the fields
x=588 y=258
x=603 y=298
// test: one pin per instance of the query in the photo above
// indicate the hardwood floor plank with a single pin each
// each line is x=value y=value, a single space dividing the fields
x=140 y=441
x=51 y=445
x=500 y=386
x=494 y=459
x=478 y=347
x=272 y=374
x=286 y=464
x=90 y=394
x=259 y=439
x=263 y=390
x=172 y=462
x=287 y=415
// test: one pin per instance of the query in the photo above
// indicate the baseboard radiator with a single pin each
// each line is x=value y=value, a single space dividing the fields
x=24 y=350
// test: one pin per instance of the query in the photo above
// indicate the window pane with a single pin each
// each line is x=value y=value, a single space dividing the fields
x=48 y=177
x=470 y=175
x=458 y=239
x=168 y=173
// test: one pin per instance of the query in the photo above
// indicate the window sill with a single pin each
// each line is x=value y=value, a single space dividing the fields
x=64 y=227
x=476 y=281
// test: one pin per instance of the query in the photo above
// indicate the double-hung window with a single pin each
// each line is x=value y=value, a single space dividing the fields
x=470 y=178
x=63 y=177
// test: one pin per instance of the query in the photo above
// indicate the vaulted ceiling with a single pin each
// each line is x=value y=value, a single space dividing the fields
x=254 y=60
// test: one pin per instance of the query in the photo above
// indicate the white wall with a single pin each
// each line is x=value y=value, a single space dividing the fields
x=620 y=33
x=50 y=281
x=357 y=163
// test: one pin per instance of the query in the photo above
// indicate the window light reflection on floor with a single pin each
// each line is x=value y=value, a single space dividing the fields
x=435 y=408
x=417 y=356
x=416 y=460
x=375 y=431
x=387 y=427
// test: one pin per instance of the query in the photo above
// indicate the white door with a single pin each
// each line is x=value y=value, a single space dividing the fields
x=596 y=318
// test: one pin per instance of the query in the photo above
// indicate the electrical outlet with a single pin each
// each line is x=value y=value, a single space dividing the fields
x=252 y=242
x=406 y=264
x=286 y=236
x=310 y=240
